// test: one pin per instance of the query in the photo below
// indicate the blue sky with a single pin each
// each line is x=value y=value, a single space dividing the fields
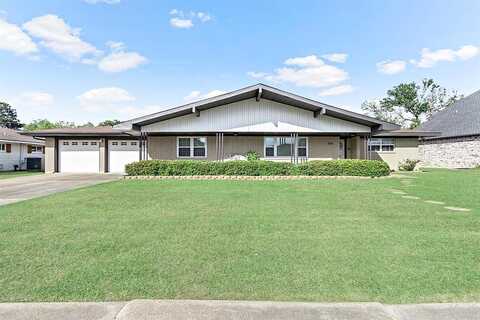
x=90 y=60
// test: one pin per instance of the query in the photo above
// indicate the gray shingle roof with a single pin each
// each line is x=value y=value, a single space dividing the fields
x=11 y=135
x=460 y=119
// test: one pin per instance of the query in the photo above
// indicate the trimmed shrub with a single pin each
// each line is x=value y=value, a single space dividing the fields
x=408 y=165
x=252 y=155
x=349 y=167
x=369 y=168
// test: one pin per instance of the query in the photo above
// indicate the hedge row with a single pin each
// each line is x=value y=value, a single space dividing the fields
x=367 y=168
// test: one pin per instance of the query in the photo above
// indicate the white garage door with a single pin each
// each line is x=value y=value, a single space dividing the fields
x=121 y=153
x=79 y=156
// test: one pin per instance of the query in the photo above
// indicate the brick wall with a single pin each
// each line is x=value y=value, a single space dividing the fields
x=461 y=152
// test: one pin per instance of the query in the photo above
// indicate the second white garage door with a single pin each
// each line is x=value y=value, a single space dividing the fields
x=79 y=156
x=121 y=153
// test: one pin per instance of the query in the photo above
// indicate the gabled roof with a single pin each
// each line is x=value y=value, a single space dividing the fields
x=10 y=135
x=259 y=91
x=462 y=118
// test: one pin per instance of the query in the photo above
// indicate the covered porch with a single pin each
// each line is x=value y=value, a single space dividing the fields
x=223 y=146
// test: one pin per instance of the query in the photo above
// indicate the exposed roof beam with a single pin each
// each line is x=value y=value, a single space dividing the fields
x=259 y=94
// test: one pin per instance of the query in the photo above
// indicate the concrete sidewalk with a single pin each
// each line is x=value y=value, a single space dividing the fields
x=233 y=310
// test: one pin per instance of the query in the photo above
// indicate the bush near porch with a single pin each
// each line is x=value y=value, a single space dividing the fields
x=367 y=168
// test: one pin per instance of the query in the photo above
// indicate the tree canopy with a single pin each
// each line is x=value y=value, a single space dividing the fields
x=41 y=124
x=109 y=123
x=8 y=117
x=408 y=104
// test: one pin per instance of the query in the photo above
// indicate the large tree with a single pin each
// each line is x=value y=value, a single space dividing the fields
x=408 y=104
x=41 y=124
x=8 y=117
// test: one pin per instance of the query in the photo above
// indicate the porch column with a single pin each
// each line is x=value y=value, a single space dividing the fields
x=293 y=147
x=219 y=146
x=145 y=147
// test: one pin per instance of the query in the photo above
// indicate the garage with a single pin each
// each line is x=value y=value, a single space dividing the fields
x=121 y=153
x=79 y=156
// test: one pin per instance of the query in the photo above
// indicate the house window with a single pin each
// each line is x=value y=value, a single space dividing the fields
x=74 y=143
x=65 y=143
x=381 y=145
x=133 y=143
x=37 y=149
x=3 y=147
x=93 y=143
x=85 y=143
x=282 y=147
x=114 y=143
x=123 y=143
x=191 y=147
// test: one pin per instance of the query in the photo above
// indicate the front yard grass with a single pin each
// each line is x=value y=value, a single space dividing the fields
x=323 y=240
x=14 y=174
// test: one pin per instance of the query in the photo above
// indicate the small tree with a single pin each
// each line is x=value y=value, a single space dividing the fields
x=109 y=123
x=409 y=103
x=8 y=117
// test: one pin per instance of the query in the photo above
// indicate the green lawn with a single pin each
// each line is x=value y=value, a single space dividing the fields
x=14 y=174
x=324 y=240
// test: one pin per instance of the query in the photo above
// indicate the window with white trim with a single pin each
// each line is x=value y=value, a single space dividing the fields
x=37 y=149
x=381 y=145
x=191 y=147
x=282 y=147
x=3 y=147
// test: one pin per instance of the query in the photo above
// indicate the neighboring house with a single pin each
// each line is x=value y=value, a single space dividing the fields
x=20 y=152
x=458 y=145
x=278 y=125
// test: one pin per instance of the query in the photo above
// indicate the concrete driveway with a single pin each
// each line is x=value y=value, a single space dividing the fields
x=28 y=187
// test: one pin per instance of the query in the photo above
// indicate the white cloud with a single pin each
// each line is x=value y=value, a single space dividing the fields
x=322 y=76
x=181 y=23
x=336 y=57
x=58 y=36
x=308 y=61
x=13 y=39
x=467 y=52
x=197 y=95
x=102 y=1
x=121 y=61
x=185 y=20
x=101 y=99
x=203 y=17
x=391 y=67
x=308 y=71
x=336 y=91
x=430 y=58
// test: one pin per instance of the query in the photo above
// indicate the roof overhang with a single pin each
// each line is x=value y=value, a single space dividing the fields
x=406 y=133
x=80 y=132
x=259 y=91
x=39 y=142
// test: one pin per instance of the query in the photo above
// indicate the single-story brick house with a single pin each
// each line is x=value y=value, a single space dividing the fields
x=20 y=152
x=458 y=144
x=278 y=125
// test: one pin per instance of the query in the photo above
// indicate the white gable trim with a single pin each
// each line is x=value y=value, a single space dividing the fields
x=252 y=116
